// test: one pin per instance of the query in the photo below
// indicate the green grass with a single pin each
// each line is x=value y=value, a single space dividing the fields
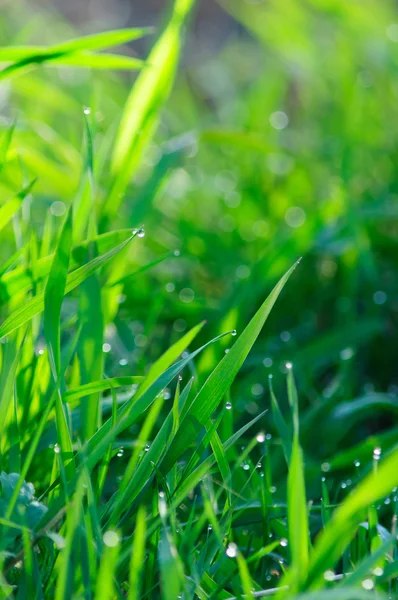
x=187 y=409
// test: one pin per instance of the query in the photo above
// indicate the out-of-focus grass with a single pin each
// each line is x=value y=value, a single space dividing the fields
x=281 y=145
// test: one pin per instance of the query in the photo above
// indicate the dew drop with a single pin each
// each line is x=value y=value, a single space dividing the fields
x=328 y=575
x=376 y=453
x=110 y=538
x=260 y=437
x=284 y=542
x=357 y=463
x=368 y=584
x=233 y=332
x=106 y=347
x=141 y=232
x=289 y=365
x=232 y=550
x=228 y=406
x=87 y=110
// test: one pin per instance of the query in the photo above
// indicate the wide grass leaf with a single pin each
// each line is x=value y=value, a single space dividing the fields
x=197 y=415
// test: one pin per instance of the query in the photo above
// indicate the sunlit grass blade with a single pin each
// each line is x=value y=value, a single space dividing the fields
x=36 y=304
x=146 y=99
x=101 y=61
x=214 y=389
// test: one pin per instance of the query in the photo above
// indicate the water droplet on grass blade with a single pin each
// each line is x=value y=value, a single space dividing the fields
x=87 y=110
x=110 y=538
x=284 y=542
x=232 y=550
x=228 y=406
x=376 y=453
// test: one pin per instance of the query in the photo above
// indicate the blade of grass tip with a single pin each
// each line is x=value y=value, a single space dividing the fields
x=75 y=278
x=96 y=41
x=293 y=398
x=342 y=527
x=53 y=298
x=137 y=556
x=214 y=389
x=101 y=61
x=102 y=41
x=105 y=589
x=143 y=105
x=8 y=210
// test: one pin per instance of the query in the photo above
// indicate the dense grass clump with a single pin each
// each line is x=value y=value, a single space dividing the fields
x=187 y=410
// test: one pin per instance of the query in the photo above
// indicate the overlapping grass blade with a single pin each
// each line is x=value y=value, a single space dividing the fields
x=197 y=415
x=341 y=528
x=75 y=278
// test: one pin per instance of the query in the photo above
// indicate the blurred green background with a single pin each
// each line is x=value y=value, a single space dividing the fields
x=279 y=140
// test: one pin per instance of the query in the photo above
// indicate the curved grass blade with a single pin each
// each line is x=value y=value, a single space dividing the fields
x=214 y=389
